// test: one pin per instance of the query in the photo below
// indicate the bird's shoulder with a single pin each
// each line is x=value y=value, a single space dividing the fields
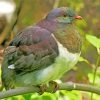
x=30 y=35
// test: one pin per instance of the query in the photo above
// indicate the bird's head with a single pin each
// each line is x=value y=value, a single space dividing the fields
x=63 y=15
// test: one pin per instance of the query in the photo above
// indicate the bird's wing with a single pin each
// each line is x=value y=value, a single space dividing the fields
x=32 y=49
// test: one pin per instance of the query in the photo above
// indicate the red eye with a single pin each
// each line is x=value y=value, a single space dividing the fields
x=65 y=15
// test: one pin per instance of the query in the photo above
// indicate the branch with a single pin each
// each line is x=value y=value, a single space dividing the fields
x=63 y=86
x=56 y=3
x=95 y=71
x=80 y=87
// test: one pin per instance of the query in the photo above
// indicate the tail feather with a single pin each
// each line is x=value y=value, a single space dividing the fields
x=7 y=75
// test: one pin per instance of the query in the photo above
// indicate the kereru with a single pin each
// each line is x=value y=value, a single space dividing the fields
x=42 y=52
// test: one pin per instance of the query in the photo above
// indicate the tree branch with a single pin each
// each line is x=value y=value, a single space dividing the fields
x=80 y=87
x=63 y=86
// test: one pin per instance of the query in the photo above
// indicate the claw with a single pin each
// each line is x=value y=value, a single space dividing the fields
x=53 y=86
x=43 y=88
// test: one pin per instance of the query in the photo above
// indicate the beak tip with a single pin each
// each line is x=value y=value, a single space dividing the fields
x=78 y=17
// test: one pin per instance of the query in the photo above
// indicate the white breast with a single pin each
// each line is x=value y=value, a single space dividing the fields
x=63 y=52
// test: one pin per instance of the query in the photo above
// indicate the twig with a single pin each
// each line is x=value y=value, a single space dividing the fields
x=63 y=86
x=95 y=71
x=56 y=3
x=17 y=14
x=80 y=87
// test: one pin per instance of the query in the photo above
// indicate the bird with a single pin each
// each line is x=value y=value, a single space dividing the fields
x=43 y=52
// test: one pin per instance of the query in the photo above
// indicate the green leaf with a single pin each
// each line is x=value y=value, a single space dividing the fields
x=71 y=95
x=81 y=59
x=93 y=40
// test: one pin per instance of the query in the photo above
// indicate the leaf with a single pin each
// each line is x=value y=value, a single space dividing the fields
x=93 y=40
x=81 y=59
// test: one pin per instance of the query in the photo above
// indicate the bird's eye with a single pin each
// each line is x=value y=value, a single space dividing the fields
x=64 y=15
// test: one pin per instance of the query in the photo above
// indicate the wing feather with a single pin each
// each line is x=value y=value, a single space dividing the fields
x=32 y=49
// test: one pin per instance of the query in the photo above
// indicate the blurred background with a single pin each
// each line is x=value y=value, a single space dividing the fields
x=15 y=15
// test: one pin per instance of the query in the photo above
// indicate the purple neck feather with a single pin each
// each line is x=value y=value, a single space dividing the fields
x=50 y=25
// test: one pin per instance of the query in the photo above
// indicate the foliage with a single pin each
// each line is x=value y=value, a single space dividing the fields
x=93 y=40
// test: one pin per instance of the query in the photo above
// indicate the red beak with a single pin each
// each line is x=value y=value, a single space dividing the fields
x=78 y=17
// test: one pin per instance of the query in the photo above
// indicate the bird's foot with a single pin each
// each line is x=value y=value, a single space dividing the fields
x=53 y=87
x=43 y=88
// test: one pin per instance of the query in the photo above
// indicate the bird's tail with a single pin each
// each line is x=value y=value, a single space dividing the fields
x=7 y=75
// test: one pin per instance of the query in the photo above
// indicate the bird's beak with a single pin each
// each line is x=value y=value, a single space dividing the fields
x=78 y=17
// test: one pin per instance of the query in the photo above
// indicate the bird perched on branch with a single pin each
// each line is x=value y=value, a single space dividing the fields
x=43 y=52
